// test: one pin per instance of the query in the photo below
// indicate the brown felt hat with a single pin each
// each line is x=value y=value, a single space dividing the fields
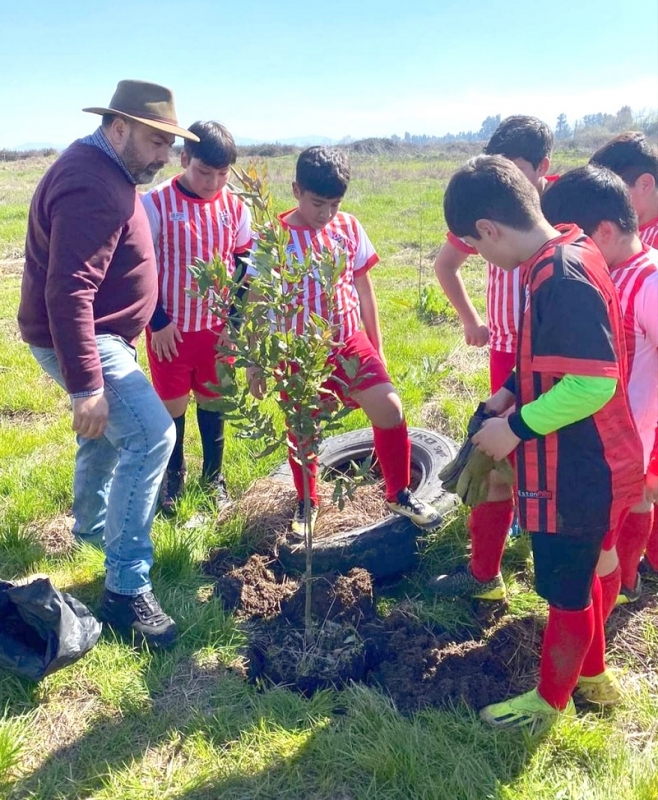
x=148 y=103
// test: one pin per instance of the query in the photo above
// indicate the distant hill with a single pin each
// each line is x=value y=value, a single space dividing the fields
x=300 y=141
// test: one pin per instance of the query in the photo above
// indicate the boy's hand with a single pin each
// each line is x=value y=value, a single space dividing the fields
x=257 y=382
x=651 y=488
x=500 y=402
x=476 y=333
x=163 y=342
x=496 y=438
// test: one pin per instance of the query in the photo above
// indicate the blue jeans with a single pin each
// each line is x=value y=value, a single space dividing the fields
x=117 y=477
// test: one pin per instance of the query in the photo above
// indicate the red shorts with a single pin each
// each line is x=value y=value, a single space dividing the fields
x=371 y=371
x=501 y=365
x=191 y=370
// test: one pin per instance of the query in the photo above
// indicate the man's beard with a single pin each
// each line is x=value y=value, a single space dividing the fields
x=132 y=161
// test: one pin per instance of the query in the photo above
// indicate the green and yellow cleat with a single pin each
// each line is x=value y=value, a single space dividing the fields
x=601 y=690
x=528 y=711
x=627 y=595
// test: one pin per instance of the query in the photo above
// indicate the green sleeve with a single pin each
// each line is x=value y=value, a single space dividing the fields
x=571 y=399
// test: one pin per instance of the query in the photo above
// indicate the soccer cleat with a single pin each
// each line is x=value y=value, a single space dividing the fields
x=422 y=514
x=298 y=523
x=602 y=689
x=461 y=582
x=528 y=711
x=139 y=616
x=217 y=488
x=647 y=569
x=627 y=595
x=171 y=490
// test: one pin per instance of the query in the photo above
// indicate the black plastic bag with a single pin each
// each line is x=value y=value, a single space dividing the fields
x=42 y=629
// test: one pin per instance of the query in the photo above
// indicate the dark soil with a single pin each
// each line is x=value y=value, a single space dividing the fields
x=416 y=664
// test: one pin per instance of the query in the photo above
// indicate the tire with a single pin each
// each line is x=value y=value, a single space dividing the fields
x=389 y=546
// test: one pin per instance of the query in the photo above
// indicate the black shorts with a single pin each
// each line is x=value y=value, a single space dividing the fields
x=564 y=568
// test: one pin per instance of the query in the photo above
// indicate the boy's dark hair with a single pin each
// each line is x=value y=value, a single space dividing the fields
x=216 y=147
x=521 y=137
x=588 y=196
x=324 y=171
x=490 y=187
x=630 y=155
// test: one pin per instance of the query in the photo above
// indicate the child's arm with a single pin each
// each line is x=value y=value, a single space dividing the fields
x=446 y=266
x=573 y=398
x=369 y=312
x=651 y=483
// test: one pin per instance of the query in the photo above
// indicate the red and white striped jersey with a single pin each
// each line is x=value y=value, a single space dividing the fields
x=636 y=281
x=649 y=233
x=186 y=228
x=503 y=297
x=344 y=234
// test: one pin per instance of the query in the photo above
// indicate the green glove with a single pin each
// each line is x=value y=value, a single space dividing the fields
x=473 y=483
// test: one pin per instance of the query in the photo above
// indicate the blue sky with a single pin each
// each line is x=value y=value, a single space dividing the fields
x=272 y=70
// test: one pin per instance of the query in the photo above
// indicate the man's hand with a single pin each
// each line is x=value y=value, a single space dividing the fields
x=496 y=438
x=500 y=402
x=90 y=416
x=257 y=383
x=651 y=488
x=476 y=334
x=163 y=342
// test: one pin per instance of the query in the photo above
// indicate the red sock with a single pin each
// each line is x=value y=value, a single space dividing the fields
x=393 y=450
x=652 y=546
x=567 y=639
x=632 y=541
x=489 y=524
x=594 y=663
x=298 y=474
x=610 y=586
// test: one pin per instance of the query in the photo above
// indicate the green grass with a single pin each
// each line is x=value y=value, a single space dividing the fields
x=184 y=724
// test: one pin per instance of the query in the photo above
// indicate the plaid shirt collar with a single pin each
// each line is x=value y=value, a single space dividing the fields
x=98 y=139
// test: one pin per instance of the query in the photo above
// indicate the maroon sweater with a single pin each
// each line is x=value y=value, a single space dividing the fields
x=89 y=263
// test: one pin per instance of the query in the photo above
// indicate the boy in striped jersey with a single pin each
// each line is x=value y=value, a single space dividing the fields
x=635 y=160
x=597 y=200
x=528 y=143
x=317 y=224
x=566 y=414
x=193 y=215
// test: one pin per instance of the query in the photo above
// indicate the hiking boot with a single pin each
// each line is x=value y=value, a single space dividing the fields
x=298 y=523
x=138 y=616
x=627 y=595
x=171 y=490
x=422 y=514
x=602 y=689
x=528 y=711
x=461 y=582
x=217 y=489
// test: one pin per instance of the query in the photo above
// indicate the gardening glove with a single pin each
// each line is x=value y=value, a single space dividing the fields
x=449 y=475
x=473 y=483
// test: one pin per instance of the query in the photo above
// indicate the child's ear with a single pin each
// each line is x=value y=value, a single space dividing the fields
x=544 y=164
x=487 y=229
x=605 y=232
x=296 y=190
x=184 y=160
x=646 y=183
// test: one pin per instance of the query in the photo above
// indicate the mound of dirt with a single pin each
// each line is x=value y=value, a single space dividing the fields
x=418 y=665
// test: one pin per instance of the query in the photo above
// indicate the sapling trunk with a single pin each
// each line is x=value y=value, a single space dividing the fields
x=308 y=574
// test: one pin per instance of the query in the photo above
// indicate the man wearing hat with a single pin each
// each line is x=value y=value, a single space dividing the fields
x=89 y=289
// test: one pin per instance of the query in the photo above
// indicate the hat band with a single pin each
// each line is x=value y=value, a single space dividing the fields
x=146 y=115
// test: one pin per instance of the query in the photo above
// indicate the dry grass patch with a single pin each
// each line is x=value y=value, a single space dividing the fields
x=268 y=505
x=55 y=534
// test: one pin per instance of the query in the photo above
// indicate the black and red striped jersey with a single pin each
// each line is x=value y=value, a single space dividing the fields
x=578 y=478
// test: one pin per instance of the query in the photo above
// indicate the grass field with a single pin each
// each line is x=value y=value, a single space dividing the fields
x=124 y=724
